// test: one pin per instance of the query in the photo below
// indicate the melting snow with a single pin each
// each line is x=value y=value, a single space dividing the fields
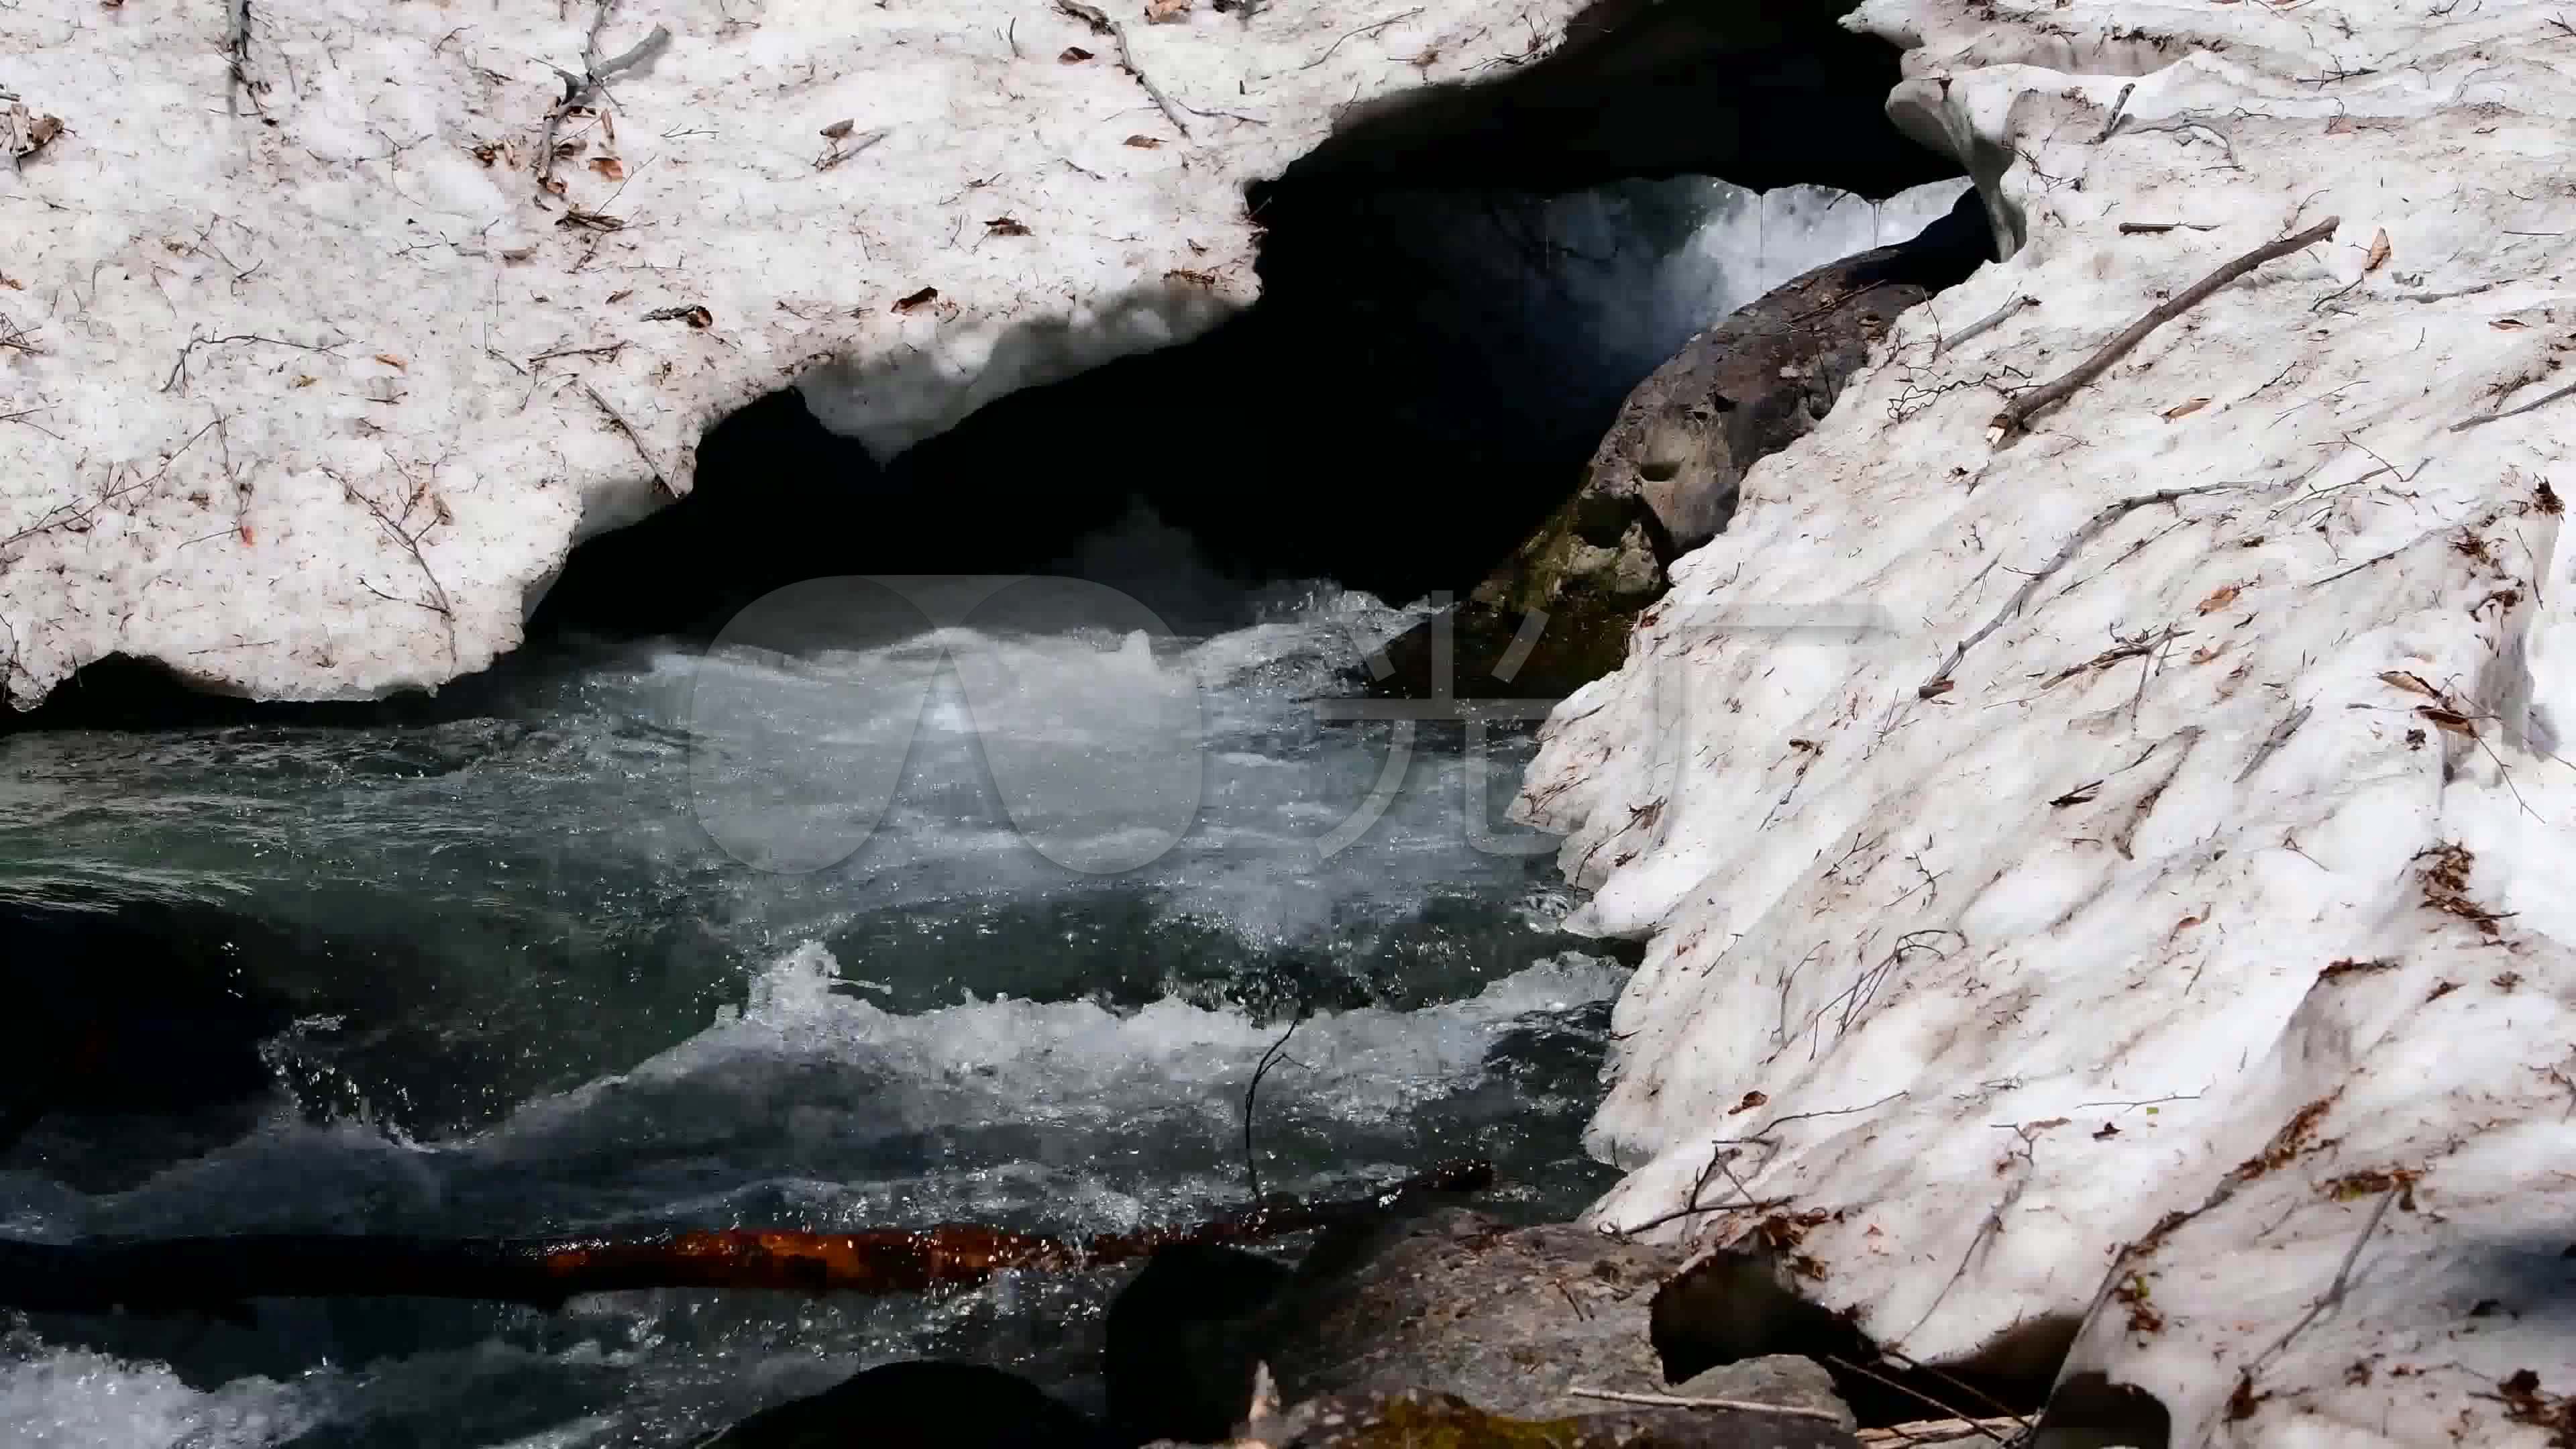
x=304 y=390
x=2216 y=910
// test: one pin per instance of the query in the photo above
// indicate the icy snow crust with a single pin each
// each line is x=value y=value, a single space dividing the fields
x=286 y=423
x=2225 y=891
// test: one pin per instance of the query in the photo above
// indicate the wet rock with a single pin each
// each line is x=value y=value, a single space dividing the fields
x=1785 y=1379
x=1510 y=1318
x=1183 y=1337
x=919 y=1405
x=1416 y=1419
x=1665 y=479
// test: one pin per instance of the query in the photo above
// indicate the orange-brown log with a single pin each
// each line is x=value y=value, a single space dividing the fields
x=219 y=1272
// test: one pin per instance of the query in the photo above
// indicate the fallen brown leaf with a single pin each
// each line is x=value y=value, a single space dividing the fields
x=609 y=166
x=1006 y=226
x=2185 y=408
x=1142 y=143
x=1166 y=12
x=389 y=360
x=2339 y=126
x=2378 y=251
x=921 y=298
x=2413 y=684
x=2219 y=600
x=1073 y=55
x=2449 y=721
x=837 y=129
x=2508 y=324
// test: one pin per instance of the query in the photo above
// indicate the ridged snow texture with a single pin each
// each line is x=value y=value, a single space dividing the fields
x=307 y=392
x=2230 y=876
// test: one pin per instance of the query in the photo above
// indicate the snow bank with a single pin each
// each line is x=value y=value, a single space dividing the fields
x=2226 y=879
x=306 y=389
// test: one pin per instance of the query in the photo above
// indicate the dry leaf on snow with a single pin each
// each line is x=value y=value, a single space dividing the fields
x=2220 y=599
x=2185 y=408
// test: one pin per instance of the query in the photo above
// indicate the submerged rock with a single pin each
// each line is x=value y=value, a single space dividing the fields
x=919 y=1405
x=1665 y=479
x=1183 y=1338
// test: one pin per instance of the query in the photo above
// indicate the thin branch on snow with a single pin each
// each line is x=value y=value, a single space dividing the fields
x=659 y=480
x=407 y=534
x=2483 y=419
x=1100 y=23
x=1355 y=34
x=237 y=62
x=2016 y=417
x=2335 y=1290
x=2119 y=111
x=1984 y=325
x=578 y=89
x=178 y=375
x=1939 y=683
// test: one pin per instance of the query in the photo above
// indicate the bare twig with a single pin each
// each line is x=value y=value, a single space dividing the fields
x=659 y=480
x=1355 y=34
x=1915 y=1393
x=178 y=374
x=237 y=61
x=840 y=152
x=2483 y=419
x=2335 y=1290
x=1269 y=1058
x=2119 y=106
x=2016 y=416
x=1682 y=1401
x=1935 y=1431
x=578 y=89
x=1940 y=680
x=1101 y=24
x=1984 y=325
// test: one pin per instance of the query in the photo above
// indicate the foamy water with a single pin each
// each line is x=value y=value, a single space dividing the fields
x=537 y=992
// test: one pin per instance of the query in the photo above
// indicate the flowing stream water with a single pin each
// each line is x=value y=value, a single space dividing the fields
x=537 y=992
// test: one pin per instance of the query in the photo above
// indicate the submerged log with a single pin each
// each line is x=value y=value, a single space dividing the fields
x=216 y=1273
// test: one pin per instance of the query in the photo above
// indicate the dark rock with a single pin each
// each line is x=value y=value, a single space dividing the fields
x=1780 y=1378
x=919 y=1405
x=1183 y=1337
x=1457 y=1301
x=1664 y=481
x=1415 y=1419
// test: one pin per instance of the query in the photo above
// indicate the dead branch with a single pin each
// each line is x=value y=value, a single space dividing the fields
x=2483 y=419
x=2016 y=416
x=1936 y=1431
x=1685 y=1401
x=178 y=375
x=215 y=1272
x=237 y=62
x=659 y=481
x=2093 y=527
x=578 y=89
x=1355 y=34
x=1984 y=325
x=2334 y=1290
x=1979 y=1425
x=407 y=534
x=840 y=152
x=1101 y=24
x=2119 y=112
x=1269 y=1058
